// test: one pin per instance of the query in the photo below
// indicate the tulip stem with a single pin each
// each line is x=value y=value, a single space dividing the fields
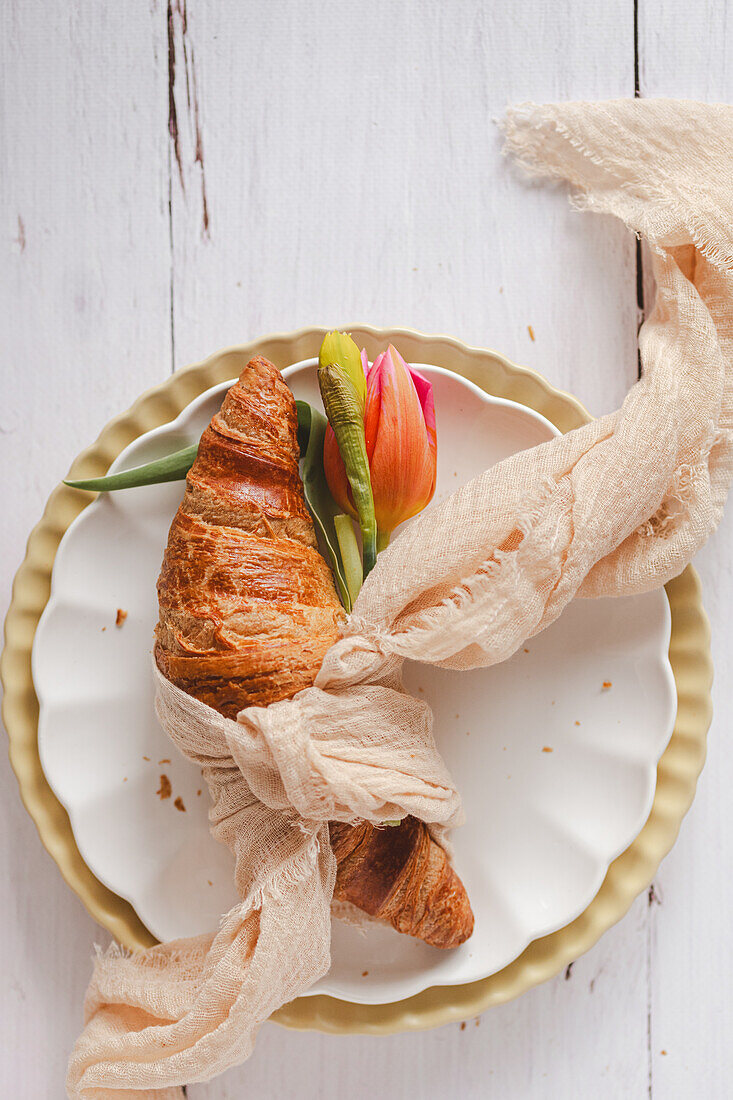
x=349 y=554
x=383 y=538
x=369 y=544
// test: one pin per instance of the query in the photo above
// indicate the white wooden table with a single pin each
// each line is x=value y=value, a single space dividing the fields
x=178 y=179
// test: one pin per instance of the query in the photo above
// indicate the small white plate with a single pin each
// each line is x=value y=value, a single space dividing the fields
x=542 y=827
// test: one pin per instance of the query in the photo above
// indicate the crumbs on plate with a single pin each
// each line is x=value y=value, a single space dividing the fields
x=606 y=685
x=530 y=330
x=179 y=804
x=121 y=616
x=165 y=789
x=546 y=748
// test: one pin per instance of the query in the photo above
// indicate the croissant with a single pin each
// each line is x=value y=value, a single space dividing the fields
x=248 y=610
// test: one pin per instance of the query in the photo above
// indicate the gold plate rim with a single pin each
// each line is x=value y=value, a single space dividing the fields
x=627 y=876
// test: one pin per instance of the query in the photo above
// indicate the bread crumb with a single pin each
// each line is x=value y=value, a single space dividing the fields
x=577 y=723
x=165 y=760
x=103 y=629
x=198 y=792
x=607 y=684
x=125 y=780
x=546 y=748
x=463 y=1025
x=501 y=289
x=210 y=882
x=146 y=758
x=364 y=973
x=663 y=1052
x=179 y=805
x=530 y=330
x=121 y=616
x=526 y=650
x=478 y=1020
x=165 y=790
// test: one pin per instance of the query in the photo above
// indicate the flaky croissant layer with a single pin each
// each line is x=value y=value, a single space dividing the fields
x=248 y=610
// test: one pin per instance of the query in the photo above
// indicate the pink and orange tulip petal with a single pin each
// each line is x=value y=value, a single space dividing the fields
x=400 y=438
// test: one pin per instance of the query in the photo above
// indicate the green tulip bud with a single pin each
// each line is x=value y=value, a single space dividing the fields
x=340 y=350
x=345 y=412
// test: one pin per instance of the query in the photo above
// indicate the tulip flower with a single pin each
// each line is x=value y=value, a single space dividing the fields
x=401 y=445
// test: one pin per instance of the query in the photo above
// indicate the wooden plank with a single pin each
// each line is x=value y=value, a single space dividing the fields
x=686 y=50
x=85 y=300
x=352 y=171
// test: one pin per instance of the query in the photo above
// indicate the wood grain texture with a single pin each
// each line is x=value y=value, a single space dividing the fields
x=687 y=50
x=85 y=292
x=352 y=171
x=177 y=177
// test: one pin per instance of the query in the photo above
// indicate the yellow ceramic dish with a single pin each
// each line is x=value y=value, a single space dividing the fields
x=677 y=772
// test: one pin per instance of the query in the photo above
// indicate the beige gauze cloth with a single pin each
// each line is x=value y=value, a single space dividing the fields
x=618 y=506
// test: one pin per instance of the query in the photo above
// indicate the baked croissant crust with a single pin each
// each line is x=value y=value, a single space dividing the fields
x=248 y=610
x=400 y=875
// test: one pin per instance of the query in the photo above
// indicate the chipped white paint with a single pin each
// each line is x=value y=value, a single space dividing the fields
x=179 y=177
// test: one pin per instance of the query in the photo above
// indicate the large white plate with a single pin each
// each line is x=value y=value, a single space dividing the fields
x=542 y=827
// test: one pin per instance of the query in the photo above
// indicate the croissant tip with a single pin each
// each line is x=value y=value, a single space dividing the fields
x=462 y=932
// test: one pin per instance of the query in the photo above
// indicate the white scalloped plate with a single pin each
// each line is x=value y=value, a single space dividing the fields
x=542 y=826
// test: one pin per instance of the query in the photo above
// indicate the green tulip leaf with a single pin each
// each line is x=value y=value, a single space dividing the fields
x=172 y=467
x=321 y=505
